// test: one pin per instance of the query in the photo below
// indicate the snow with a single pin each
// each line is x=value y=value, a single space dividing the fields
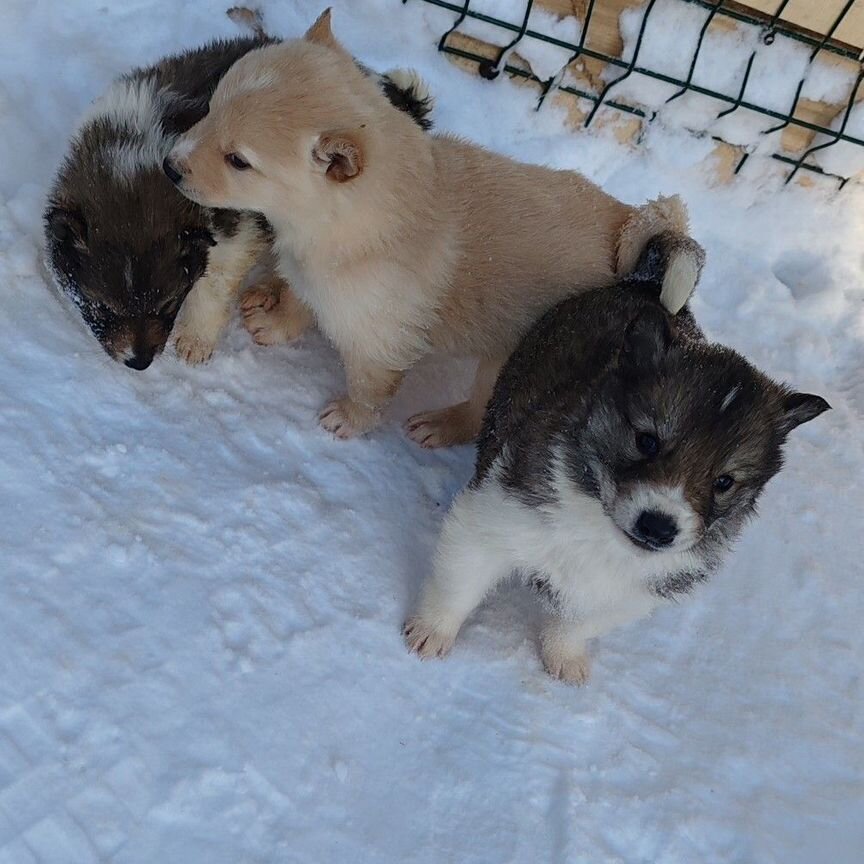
x=546 y=60
x=842 y=157
x=201 y=592
x=670 y=39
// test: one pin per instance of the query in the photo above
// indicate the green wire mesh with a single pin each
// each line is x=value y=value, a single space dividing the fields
x=770 y=27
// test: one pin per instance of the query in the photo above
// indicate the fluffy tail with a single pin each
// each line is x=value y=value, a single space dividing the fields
x=410 y=93
x=654 y=246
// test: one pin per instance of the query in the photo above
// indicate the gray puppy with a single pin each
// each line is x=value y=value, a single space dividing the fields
x=621 y=454
x=125 y=246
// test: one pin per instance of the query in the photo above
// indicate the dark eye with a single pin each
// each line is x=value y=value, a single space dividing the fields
x=647 y=444
x=237 y=162
x=724 y=483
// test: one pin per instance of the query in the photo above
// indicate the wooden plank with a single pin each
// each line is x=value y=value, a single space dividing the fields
x=815 y=15
x=818 y=16
x=603 y=33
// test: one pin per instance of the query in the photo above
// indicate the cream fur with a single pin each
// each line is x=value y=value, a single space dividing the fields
x=402 y=243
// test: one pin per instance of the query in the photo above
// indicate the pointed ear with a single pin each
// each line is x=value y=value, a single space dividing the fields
x=339 y=153
x=320 y=31
x=800 y=408
x=67 y=227
x=647 y=337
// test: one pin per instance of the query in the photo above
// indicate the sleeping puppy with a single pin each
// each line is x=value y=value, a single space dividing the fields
x=401 y=243
x=136 y=258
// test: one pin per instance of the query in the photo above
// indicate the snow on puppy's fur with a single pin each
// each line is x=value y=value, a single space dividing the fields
x=402 y=243
x=620 y=456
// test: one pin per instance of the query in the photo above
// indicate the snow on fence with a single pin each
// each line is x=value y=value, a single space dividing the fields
x=770 y=78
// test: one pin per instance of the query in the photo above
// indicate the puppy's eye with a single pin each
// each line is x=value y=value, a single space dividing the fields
x=236 y=161
x=168 y=308
x=724 y=483
x=647 y=444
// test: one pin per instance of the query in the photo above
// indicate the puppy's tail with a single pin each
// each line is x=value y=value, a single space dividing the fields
x=655 y=247
x=410 y=93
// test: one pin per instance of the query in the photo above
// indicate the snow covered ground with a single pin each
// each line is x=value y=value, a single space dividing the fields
x=201 y=592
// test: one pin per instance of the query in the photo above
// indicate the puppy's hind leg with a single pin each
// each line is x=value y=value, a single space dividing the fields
x=564 y=651
x=469 y=562
x=207 y=308
x=564 y=643
x=460 y=423
x=273 y=314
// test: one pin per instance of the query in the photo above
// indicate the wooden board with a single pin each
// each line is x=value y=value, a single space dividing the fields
x=818 y=16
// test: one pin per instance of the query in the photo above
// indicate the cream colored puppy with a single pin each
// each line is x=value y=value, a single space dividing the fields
x=401 y=243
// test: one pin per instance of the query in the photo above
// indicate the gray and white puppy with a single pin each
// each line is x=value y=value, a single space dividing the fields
x=125 y=246
x=621 y=454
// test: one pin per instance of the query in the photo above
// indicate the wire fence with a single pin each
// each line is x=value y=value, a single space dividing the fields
x=769 y=26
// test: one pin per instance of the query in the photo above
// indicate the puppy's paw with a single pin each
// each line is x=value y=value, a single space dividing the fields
x=346 y=419
x=444 y=428
x=569 y=668
x=271 y=320
x=261 y=297
x=192 y=349
x=425 y=640
x=264 y=327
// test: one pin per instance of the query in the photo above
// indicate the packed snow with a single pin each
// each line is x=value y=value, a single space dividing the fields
x=202 y=592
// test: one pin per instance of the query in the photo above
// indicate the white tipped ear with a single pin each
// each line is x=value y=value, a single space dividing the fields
x=320 y=31
x=340 y=156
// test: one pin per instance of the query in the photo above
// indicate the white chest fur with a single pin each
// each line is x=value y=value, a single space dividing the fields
x=589 y=564
x=368 y=307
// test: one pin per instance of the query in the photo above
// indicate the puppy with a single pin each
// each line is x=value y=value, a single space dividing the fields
x=401 y=243
x=131 y=253
x=620 y=456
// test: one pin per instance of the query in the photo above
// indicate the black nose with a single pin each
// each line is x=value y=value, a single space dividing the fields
x=173 y=174
x=656 y=528
x=139 y=363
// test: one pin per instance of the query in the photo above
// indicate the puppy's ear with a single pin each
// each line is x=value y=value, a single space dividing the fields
x=647 y=338
x=67 y=227
x=320 y=31
x=800 y=408
x=340 y=154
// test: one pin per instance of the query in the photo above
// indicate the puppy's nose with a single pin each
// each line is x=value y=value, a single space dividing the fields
x=171 y=171
x=656 y=528
x=139 y=363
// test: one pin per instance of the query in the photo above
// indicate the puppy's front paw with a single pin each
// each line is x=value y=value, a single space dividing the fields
x=569 y=668
x=346 y=419
x=193 y=350
x=425 y=640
